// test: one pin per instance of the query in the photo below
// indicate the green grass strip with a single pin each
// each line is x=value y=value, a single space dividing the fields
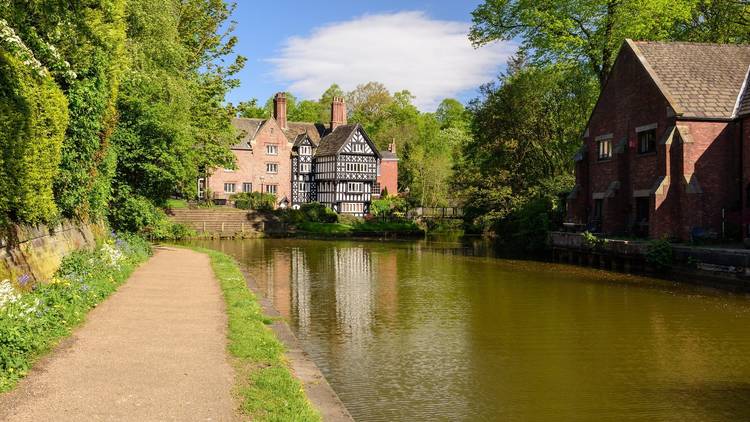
x=266 y=387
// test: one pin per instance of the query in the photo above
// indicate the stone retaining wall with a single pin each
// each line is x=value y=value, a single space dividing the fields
x=38 y=251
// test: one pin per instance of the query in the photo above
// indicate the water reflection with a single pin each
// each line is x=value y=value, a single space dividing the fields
x=438 y=331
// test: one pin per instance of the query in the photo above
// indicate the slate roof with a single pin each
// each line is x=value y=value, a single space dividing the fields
x=332 y=143
x=699 y=80
x=315 y=130
x=247 y=129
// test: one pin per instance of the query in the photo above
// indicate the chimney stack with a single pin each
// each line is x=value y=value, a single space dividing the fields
x=279 y=109
x=338 y=113
x=392 y=146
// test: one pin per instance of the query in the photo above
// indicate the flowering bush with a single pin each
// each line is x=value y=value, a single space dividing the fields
x=31 y=322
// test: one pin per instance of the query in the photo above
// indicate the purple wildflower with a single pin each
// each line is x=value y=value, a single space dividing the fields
x=24 y=280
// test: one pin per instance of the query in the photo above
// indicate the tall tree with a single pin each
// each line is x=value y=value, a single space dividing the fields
x=173 y=120
x=590 y=32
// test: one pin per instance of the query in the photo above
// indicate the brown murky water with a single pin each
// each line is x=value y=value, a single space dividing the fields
x=416 y=331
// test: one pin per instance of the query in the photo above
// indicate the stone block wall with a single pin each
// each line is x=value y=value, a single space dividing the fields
x=38 y=251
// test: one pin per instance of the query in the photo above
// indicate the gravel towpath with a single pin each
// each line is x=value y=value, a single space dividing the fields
x=154 y=351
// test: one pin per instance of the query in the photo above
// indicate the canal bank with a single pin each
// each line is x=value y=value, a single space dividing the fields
x=716 y=267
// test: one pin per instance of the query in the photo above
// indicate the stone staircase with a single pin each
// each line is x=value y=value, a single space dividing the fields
x=224 y=221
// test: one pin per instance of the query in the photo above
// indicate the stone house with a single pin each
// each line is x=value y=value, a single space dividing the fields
x=303 y=162
x=666 y=152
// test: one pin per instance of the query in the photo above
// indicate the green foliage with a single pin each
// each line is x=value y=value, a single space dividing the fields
x=592 y=241
x=31 y=325
x=33 y=120
x=172 y=118
x=659 y=254
x=268 y=389
x=588 y=32
x=255 y=201
x=318 y=213
x=388 y=207
x=136 y=214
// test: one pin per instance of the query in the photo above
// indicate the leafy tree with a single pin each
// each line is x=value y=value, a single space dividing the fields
x=589 y=32
x=452 y=114
x=306 y=111
x=367 y=103
x=251 y=110
x=722 y=21
x=525 y=131
x=173 y=120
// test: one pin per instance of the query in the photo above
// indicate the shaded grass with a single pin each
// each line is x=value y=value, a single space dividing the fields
x=267 y=389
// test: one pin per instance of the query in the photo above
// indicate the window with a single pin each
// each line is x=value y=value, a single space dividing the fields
x=272 y=150
x=247 y=187
x=605 y=149
x=355 y=187
x=272 y=168
x=647 y=141
x=305 y=150
x=229 y=187
x=353 y=207
x=358 y=147
x=598 y=209
x=356 y=167
x=304 y=168
x=304 y=187
x=642 y=207
x=271 y=188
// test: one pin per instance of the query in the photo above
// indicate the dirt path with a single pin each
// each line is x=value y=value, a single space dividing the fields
x=154 y=351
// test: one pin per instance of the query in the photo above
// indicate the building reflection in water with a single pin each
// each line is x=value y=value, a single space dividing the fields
x=353 y=275
x=300 y=281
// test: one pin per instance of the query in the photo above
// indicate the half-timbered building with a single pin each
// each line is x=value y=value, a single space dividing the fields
x=346 y=164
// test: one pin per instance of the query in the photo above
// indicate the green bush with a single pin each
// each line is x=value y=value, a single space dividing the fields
x=137 y=214
x=255 y=201
x=33 y=120
x=659 y=254
x=391 y=206
x=318 y=213
x=32 y=322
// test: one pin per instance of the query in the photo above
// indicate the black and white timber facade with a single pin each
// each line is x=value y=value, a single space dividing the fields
x=340 y=172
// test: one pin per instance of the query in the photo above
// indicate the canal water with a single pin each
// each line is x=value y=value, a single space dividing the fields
x=422 y=331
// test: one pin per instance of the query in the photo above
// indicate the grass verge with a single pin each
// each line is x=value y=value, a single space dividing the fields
x=267 y=389
x=34 y=317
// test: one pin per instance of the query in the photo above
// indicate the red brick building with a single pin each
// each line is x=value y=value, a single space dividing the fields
x=667 y=148
x=293 y=159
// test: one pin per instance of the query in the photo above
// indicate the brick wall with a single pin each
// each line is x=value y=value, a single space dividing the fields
x=388 y=178
x=251 y=165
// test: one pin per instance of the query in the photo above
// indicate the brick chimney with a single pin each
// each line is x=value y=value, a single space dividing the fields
x=279 y=109
x=392 y=146
x=338 y=112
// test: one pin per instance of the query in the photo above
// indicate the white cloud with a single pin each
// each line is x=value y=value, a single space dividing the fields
x=431 y=58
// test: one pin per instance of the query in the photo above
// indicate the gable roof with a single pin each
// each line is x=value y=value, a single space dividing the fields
x=314 y=130
x=248 y=129
x=332 y=143
x=699 y=80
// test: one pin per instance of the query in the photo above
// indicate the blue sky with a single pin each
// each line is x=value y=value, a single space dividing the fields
x=420 y=45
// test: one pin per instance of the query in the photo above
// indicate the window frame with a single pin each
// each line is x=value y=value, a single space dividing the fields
x=233 y=185
x=275 y=167
x=604 y=149
x=274 y=191
x=650 y=143
x=245 y=185
x=272 y=149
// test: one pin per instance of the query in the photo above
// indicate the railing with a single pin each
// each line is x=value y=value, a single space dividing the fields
x=435 y=212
